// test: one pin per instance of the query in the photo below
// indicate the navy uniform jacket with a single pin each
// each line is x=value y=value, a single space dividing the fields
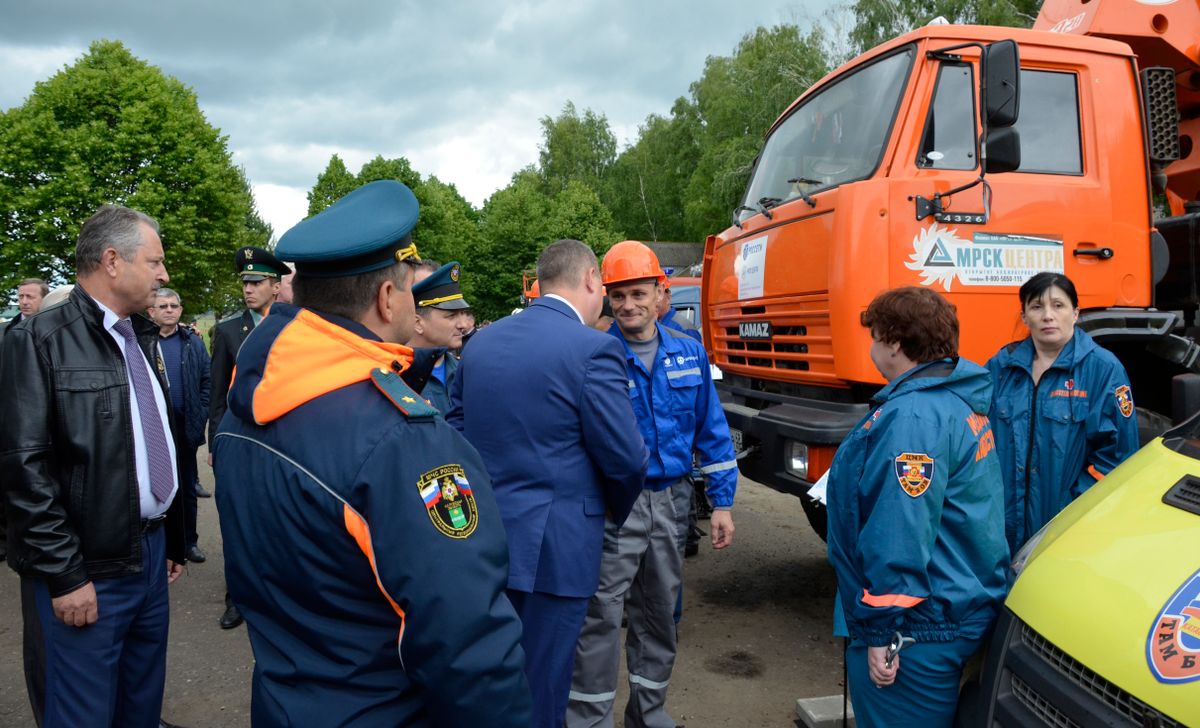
x=916 y=510
x=1080 y=417
x=362 y=540
x=544 y=400
x=227 y=338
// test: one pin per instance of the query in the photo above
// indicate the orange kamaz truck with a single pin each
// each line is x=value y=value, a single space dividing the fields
x=965 y=159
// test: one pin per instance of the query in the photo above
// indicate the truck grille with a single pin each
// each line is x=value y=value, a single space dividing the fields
x=1114 y=697
x=800 y=338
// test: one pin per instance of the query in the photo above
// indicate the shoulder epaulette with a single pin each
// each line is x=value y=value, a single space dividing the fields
x=400 y=394
x=229 y=318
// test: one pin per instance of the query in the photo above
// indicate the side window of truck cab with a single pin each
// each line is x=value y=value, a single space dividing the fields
x=1049 y=123
x=949 y=140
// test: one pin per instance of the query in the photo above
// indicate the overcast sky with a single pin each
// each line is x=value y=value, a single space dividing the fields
x=456 y=87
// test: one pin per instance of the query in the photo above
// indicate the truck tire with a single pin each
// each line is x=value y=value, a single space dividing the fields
x=1151 y=424
x=818 y=517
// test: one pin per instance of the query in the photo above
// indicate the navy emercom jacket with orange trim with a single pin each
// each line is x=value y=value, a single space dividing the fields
x=1058 y=437
x=916 y=510
x=362 y=541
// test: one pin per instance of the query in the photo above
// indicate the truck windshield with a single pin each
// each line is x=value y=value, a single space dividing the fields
x=836 y=136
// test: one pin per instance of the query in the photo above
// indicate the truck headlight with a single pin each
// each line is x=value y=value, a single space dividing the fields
x=797 y=459
x=1022 y=558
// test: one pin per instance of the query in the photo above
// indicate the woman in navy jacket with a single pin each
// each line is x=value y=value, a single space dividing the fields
x=916 y=517
x=1062 y=409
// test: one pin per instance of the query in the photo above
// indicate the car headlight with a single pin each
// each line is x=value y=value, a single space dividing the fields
x=797 y=459
x=1025 y=552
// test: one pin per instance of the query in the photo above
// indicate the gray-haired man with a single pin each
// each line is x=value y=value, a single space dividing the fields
x=89 y=458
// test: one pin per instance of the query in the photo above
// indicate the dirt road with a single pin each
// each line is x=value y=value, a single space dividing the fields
x=754 y=636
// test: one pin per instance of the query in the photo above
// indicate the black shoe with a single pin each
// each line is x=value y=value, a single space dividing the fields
x=164 y=724
x=195 y=554
x=691 y=549
x=201 y=492
x=231 y=618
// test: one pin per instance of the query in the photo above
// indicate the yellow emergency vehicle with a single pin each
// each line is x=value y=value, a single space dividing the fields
x=1102 y=626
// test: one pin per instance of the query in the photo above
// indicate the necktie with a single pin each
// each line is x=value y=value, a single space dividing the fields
x=157 y=453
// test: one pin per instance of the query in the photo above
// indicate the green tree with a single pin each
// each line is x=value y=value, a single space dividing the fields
x=647 y=187
x=449 y=225
x=878 y=21
x=516 y=223
x=514 y=229
x=332 y=184
x=736 y=100
x=112 y=128
x=398 y=169
x=575 y=147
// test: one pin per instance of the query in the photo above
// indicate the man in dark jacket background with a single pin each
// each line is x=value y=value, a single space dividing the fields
x=187 y=365
x=260 y=273
x=90 y=482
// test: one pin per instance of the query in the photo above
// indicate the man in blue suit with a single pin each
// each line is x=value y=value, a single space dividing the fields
x=543 y=397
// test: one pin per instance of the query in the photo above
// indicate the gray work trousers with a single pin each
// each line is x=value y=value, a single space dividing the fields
x=640 y=574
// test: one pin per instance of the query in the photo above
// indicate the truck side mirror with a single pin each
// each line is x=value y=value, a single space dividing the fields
x=1003 y=150
x=1001 y=89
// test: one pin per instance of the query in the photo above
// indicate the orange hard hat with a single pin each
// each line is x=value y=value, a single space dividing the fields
x=630 y=260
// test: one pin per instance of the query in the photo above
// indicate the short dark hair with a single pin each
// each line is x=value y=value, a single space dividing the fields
x=1036 y=287
x=112 y=226
x=347 y=296
x=919 y=319
x=564 y=263
x=36 y=282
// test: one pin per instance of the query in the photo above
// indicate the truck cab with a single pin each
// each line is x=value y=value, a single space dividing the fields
x=878 y=176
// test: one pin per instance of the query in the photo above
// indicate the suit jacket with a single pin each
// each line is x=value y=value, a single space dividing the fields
x=544 y=399
x=228 y=336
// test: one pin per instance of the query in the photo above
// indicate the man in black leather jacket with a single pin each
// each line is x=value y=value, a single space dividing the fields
x=90 y=484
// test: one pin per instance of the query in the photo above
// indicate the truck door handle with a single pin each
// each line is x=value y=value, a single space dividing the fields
x=1101 y=253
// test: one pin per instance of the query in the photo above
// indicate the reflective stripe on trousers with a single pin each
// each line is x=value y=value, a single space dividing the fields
x=640 y=574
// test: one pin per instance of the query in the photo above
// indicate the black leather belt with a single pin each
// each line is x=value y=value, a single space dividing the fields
x=150 y=525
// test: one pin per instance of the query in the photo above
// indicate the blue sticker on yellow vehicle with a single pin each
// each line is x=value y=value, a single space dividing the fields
x=1173 y=647
x=914 y=470
x=449 y=501
x=1124 y=400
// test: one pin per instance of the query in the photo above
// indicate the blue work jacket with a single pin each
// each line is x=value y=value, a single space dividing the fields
x=678 y=413
x=916 y=510
x=1058 y=437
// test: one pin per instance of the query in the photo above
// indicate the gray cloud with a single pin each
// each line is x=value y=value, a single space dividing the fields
x=459 y=86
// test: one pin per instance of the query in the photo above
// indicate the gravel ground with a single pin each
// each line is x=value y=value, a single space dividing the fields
x=754 y=637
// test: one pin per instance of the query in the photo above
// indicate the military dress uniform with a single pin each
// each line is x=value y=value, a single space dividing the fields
x=251 y=264
x=441 y=290
x=363 y=543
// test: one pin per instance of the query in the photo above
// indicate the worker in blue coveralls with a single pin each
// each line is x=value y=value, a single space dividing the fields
x=916 y=517
x=362 y=541
x=678 y=413
x=1062 y=409
x=440 y=324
